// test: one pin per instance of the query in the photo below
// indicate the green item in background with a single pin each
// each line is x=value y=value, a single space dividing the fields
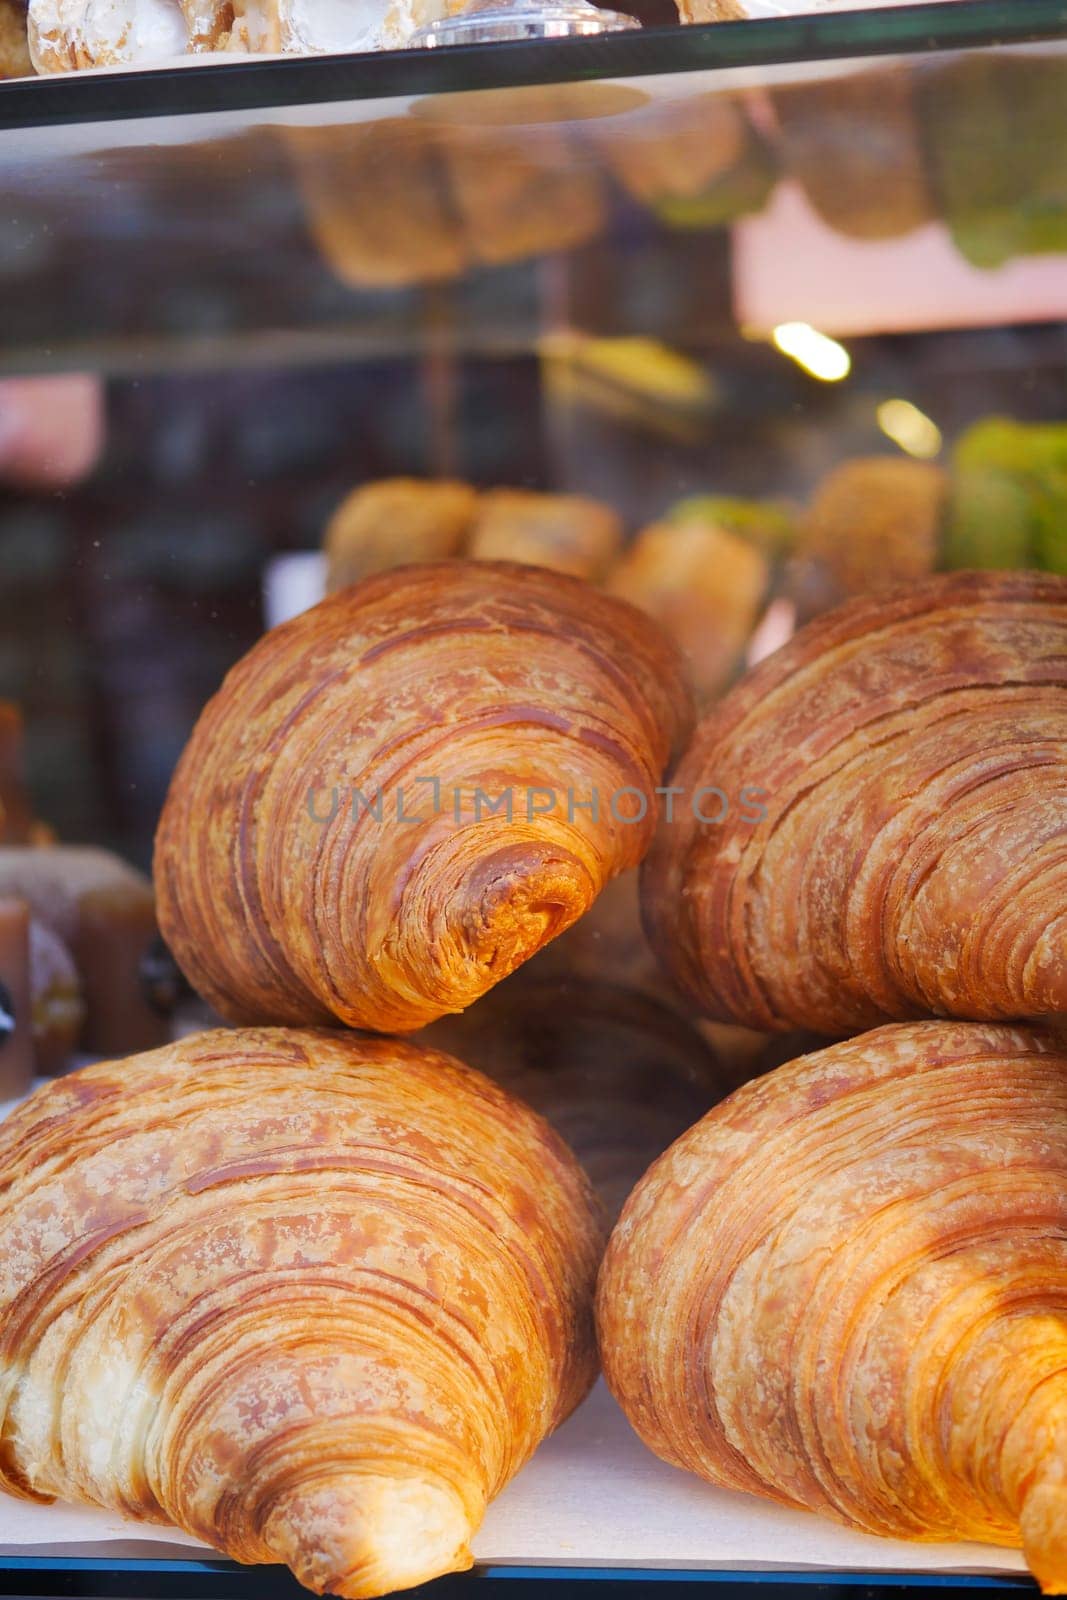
x=770 y=527
x=744 y=189
x=988 y=521
x=996 y=132
x=1008 y=504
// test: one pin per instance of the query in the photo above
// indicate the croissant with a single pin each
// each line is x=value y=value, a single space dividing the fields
x=313 y=1298
x=912 y=857
x=400 y=795
x=846 y=1289
x=616 y=1073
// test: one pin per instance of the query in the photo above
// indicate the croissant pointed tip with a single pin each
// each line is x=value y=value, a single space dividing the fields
x=1043 y=1525
x=364 y=1535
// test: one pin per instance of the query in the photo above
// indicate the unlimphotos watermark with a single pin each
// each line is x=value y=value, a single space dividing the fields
x=423 y=798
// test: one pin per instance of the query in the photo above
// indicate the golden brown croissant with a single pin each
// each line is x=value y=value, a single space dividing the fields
x=616 y=1073
x=912 y=754
x=314 y=1298
x=330 y=845
x=846 y=1289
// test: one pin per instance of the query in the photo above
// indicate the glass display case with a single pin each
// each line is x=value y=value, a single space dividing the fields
x=735 y=322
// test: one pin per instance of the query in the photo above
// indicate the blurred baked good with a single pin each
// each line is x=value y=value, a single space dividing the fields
x=1008 y=505
x=103 y=911
x=14 y=44
x=873 y=522
x=16 y=1025
x=378 y=201
x=396 y=521
x=617 y=1074
x=520 y=194
x=58 y=1009
x=705 y=586
x=567 y=532
x=696 y=162
x=995 y=128
x=853 y=143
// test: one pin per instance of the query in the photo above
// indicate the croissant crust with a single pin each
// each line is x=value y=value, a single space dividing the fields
x=846 y=1289
x=911 y=755
x=293 y=885
x=313 y=1298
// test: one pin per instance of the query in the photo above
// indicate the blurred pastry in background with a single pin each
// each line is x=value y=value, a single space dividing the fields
x=872 y=523
x=378 y=201
x=14 y=45
x=1008 y=505
x=16 y=1027
x=521 y=195
x=696 y=163
x=616 y=1073
x=567 y=532
x=103 y=911
x=58 y=1008
x=995 y=128
x=705 y=586
x=711 y=11
x=853 y=144
x=395 y=521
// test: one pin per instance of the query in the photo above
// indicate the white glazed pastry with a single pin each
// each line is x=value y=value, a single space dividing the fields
x=67 y=35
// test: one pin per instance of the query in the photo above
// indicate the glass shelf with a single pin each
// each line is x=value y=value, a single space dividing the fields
x=251 y=86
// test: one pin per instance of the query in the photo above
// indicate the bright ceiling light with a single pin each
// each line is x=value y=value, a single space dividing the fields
x=910 y=428
x=821 y=356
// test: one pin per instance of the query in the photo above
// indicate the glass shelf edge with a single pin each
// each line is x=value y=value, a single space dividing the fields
x=262 y=85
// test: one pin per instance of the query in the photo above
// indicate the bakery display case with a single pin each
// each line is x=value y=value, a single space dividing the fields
x=535 y=538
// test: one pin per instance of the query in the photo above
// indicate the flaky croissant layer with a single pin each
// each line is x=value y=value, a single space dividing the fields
x=311 y=1297
x=846 y=1289
x=398 y=797
x=911 y=751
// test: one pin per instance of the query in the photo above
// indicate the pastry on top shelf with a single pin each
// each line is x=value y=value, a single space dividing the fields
x=395 y=521
x=16 y=810
x=873 y=522
x=844 y=1290
x=705 y=586
x=69 y=35
x=910 y=860
x=103 y=911
x=313 y=1298
x=854 y=145
x=618 y=1074
x=399 y=796
x=567 y=532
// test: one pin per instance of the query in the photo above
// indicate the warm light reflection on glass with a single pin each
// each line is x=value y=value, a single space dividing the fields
x=821 y=356
x=910 y=428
